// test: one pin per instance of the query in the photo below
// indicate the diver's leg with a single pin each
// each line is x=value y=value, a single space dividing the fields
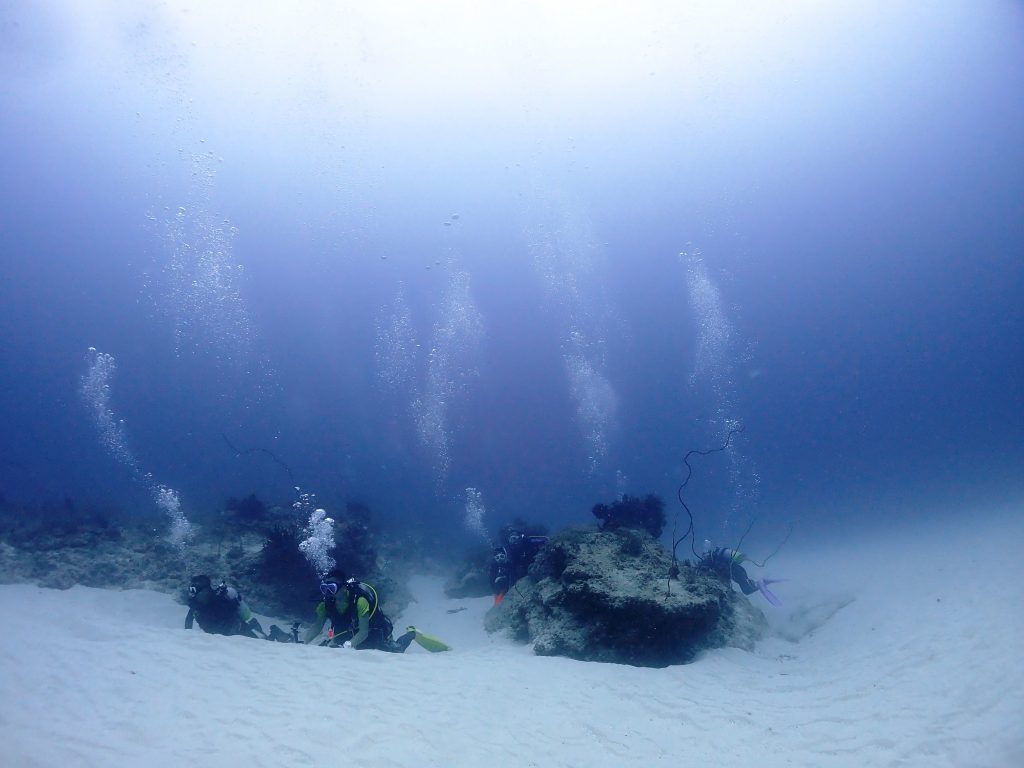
x=402 y=643
x=739 y=575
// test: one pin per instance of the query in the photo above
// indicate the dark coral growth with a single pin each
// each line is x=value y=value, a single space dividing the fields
x=283 y=577
x=249 y=510
x=633 y=512
x=353 y=537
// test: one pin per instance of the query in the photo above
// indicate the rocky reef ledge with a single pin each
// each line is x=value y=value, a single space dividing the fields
x=60 y=548
x=606 y=595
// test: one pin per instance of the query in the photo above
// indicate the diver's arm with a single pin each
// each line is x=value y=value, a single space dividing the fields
x=317 y=626
x=315 y=629
x=363 y=612
x=244 y=612
x=189 y=617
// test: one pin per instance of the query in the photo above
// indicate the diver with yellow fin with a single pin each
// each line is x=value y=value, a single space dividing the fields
x=356 y=621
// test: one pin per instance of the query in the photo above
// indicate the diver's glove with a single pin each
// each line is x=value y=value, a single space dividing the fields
x=280 y=636
x=254 y=626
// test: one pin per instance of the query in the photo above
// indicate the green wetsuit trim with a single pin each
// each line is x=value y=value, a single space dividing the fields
x=362 y=615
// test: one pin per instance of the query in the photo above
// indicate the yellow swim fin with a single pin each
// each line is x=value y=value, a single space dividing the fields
x=429 y=642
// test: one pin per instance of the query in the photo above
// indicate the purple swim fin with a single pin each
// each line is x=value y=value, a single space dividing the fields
x=762 y=585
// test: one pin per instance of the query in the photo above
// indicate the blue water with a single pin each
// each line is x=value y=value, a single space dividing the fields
x=415 y=256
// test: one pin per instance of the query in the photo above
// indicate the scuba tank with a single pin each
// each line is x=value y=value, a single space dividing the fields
x=379 y=623
x=357 y=589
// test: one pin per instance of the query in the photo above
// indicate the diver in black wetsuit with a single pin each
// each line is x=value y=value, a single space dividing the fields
x=512 y=558
x=726 y=564
x=220 y=610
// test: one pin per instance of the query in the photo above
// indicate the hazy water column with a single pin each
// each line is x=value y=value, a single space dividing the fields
x=719 y=352
x=566 y=257
x=195 y=283
x=395 y=349
x=202 y=275
x=455 y=341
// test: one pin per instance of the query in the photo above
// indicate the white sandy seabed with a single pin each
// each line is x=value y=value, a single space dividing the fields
x=905 y=653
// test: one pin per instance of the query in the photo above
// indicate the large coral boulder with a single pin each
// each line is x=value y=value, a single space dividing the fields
x=606 y=596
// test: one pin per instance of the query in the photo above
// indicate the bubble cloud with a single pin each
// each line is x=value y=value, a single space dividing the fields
x=319 y=541
x=474 y=513
x=95 y=390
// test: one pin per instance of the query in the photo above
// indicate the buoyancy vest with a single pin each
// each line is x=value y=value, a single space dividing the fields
x=216 y=609
x=380 y=626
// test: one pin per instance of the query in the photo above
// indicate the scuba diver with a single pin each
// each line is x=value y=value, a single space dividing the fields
x=220 y=610
x=512 y=558
x=356 y=621
x=727 y=565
